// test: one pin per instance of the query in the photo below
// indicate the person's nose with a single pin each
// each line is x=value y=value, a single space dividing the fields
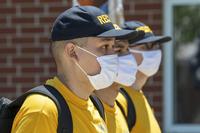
x=111 y=50
x=121 y=48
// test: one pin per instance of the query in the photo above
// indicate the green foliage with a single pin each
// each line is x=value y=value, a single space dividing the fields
x=186 y=23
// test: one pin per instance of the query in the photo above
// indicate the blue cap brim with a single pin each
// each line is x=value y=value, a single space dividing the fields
x=119 y=34
x=160 y=39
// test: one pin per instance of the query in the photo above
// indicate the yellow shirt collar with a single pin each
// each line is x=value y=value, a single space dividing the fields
x=109 y=109
x=67 y=93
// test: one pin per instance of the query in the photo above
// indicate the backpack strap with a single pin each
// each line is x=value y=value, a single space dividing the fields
x=99 y=106
x=65 y=124
x=131 y=114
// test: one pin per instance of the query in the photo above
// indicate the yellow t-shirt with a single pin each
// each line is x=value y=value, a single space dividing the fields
x=39 y=114
x=115 y=120
x=145 y=119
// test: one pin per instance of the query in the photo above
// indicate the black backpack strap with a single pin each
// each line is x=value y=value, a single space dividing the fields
x=131 y=114
x=65 y=124
x=99 y=106
x=122 y=109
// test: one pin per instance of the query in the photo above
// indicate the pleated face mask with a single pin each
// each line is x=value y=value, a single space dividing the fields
x=151 y=61
x=108 y=73
x=127 y=70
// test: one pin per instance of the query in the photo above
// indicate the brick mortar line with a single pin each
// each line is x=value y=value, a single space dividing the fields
x=34 y=5
x=28 y=14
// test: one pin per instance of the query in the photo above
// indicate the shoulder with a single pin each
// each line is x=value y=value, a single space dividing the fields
x=120 y=98
x=123 y=102
x=36 y=103
x=136 y=98
x=134 y=94
x=39 y=113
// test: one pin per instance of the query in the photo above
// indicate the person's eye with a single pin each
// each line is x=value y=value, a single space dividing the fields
x=156 y=46
x=147 y=47
x=105 y=47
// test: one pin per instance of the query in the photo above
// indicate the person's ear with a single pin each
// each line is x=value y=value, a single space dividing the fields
x=70 y=50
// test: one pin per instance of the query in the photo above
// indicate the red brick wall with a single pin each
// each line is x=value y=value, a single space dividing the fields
x=25 y=60
x=150 y=13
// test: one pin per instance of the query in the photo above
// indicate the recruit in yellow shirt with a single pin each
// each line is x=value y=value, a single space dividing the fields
x=145 y=119
x=39 y=114
x=115 y=121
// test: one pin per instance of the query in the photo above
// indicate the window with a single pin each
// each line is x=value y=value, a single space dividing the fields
x=182 y=66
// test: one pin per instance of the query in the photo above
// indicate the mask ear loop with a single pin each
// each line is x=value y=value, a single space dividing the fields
x=141 y=52
x=134 y=51
x=76 y=44
x=87 y=51
x=76 y=62
x=81 y=68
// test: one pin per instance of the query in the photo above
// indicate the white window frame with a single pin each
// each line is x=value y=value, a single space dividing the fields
x=168 y=93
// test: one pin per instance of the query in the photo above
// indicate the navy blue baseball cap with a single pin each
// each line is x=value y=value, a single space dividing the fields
x=149 y=35
x=87 y=21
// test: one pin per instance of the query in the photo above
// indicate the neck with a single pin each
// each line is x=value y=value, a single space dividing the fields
x=76 y=85
x=108 y=95
x=141 y=79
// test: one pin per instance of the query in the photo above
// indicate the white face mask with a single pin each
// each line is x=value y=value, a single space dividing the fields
x=109 y=66
x=127 y=70
x=151 y=61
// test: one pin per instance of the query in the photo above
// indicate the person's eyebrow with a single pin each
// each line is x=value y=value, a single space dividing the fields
x=106 y=39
